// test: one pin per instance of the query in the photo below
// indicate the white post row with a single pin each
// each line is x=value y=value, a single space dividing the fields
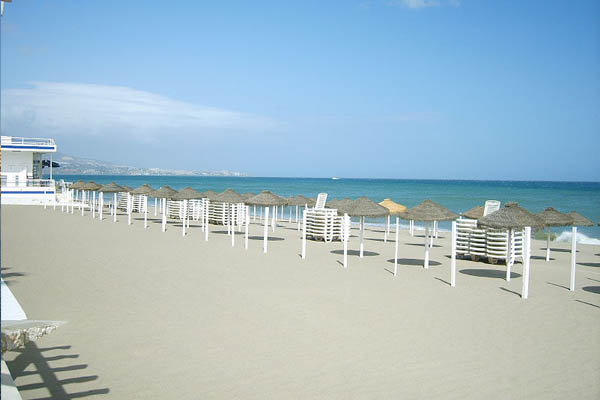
x=164 y=214
x=274 y=217
x=101 y=205
x=183 y=216
x=386 y=232
x=453 y=257
x=508 y=255
x=205 y=211
x=527 y=251
x=266 y=232
x=94 y=205
x=573 y=257
x=115 y=207
x=396 y=247
x=232 y=223
x=129 y=207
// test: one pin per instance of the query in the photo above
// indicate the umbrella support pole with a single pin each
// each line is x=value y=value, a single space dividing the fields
x=362 y=229
x=232 y=224
x=508 y=254
x=290 y=219
x=129 y=208
x=266 y=231
x=164 y=214
x=247 y=212
x=155 y=207
x=183 y=217
x=548 y=246
x=527 y=251
x=387 y=229
x=304 y=235
x=426 y=261
x=453 y=257
x=100 y=205
x=205 y=217
x=297 y=215
x=115 y=207
x=346 y=238
x=573 y=257
x=93 y=205
x=274 y=217
x=145 y=212
x=396 y=247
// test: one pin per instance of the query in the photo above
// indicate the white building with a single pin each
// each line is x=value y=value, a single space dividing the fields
x=22 y=171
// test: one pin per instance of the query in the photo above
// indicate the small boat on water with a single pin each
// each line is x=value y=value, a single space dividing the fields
x=335 y=178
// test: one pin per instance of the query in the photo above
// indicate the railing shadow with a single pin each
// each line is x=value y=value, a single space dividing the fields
x=32 y=355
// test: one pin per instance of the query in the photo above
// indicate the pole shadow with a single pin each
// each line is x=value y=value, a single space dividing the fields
x=592 y=289
x=414 y=262
x=355 y=253
x=489 y=273
x=557 y=285
x=589 y=264
x=441 y=280
x=510 y=291
x=589 y=304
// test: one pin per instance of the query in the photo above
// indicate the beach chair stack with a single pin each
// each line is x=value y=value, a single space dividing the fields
x=323 y=223
x=476 y=242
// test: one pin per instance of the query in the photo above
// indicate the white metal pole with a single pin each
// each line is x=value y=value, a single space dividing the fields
x=426 y=263
x=274 y=217
x=508 y=255
x=362 y=228
x=346 y=238
x=129 y=207
x=527 y=250
x=145 y=212
x=387 y=229
x=101 y=205
x=155 y=207
x=304 y=235
x=266 y=229
x=297 y=213
x=164 y=214
x=72 y=201
x=93 y=204
x=548 y=246
x=573 y=257
x=254 y=213
x=115 y=207
x=183 y=217
x=396 y=247
x=232 y=223
x=206 y=202
x=247 y=208
x=453 y=257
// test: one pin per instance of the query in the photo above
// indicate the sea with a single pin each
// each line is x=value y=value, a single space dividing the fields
x=457 y=195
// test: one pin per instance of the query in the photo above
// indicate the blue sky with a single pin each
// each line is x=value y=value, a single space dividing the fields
x=469 y=89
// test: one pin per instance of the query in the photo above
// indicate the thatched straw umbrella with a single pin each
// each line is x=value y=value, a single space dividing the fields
x=365 y=207
x=511 y=217
x=210 y=195
x=579 y=220
x=145 y=190
x=75 y=190
x=166 y=192
x=474 y=213
x=183 y=196
x=428 y=211
x=266 y=199
x=551 y=217
x=114 y=189
x=395 y=209
x=91 y=186
x=230 y=198
x=341 y=205
x=300 y=201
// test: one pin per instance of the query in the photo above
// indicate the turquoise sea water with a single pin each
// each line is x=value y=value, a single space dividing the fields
x=459 y=196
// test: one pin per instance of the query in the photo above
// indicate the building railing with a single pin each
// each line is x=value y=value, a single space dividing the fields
x=23 y=141
x=21 y=183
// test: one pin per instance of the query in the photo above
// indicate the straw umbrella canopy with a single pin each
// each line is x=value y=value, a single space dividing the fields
x=395 y=209
x=580 y=220
x=114 y=189
x=267 y=199
x=229 y=196
x=341 y=205
x=429 y=211
x=365 y=207
x=511 y=216
x=77 y=185
x=144 y=190
x=301 y=201
x=187 y=194
x=165 y=192
x=91 y=186
x=474 y=213
x=551 y=217
x=246 y=196
x=209 y=194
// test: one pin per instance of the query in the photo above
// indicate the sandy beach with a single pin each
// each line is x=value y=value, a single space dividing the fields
x=155 y=315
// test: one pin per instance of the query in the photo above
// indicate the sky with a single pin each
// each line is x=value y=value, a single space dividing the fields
x=418 y=89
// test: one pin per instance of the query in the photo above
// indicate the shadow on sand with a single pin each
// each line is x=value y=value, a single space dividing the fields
x=32 y=355
x=355 y=253
x=414 y=262
x=269 y=239
x=592 y=289
x=489 y=273
x=590 y=264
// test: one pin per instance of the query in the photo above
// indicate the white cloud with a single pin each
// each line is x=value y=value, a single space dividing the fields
x=86 y=109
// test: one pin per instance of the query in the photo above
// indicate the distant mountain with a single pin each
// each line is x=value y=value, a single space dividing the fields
x=71 y=165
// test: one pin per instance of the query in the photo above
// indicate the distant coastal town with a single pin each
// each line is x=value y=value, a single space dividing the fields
x=71 y=165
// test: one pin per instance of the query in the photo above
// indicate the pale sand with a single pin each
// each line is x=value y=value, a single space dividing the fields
x=155 y=315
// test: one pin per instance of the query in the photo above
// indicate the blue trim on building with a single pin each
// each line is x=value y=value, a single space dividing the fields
x=12 y=146
x=27 y=192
